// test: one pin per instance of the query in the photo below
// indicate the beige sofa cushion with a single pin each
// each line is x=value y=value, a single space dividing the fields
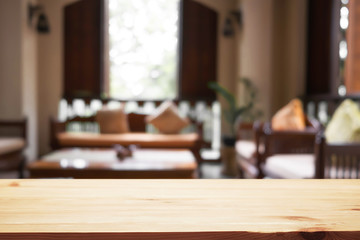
x=112 y=120
x=290 y=117
x=167 y=119
x=146 y=140
x=10 y=145
x=295 y=166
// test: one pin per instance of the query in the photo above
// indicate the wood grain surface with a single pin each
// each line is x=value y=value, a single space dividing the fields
x=179 y=209
x=104 y=163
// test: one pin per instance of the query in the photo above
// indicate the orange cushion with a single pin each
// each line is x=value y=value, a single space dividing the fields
x=112 y=120
x=146 y=140
x=290 y=117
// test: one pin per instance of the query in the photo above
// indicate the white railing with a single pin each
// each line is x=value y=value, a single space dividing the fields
x=209 y=114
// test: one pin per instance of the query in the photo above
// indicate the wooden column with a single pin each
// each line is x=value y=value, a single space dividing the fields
x=352 y=63
x=323 y=47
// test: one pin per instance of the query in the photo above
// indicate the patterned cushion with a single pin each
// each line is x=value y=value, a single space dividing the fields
x=346 y=120
x=290 y=117
x=112 y=120
x=167 y=119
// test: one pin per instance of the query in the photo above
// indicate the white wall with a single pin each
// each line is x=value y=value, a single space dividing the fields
x=29 y=79
x=256 y=57
x=289 y=51
x=50 y=69
x=10 y=59
x=273 y=50
x=18 y=76
x=227 y=50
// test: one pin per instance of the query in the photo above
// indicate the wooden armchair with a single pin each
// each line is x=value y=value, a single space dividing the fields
x=337 y=160
x=12 y=144
x=288 y=154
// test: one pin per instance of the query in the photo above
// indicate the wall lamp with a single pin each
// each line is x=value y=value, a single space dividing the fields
x=228 y=29
x=42 y=25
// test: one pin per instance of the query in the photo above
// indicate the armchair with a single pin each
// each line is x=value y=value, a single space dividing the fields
x=288 y=154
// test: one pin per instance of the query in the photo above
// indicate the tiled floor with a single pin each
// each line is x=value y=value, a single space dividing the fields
x=209 y=171
x=212 y=171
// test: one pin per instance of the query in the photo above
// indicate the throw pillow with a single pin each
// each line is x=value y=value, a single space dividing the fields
x=167 y=119
x=112 y=120
x=290 y=117
x=344 y=126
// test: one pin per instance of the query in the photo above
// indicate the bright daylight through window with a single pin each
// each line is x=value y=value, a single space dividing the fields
x=143 y=48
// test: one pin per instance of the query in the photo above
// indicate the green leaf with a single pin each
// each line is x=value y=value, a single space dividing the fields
x=247 y=111
x=222 y=91
x=240 y=111
x=225 y=94
x=228 y=116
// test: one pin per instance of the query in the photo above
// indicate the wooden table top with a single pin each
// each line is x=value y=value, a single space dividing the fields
x=103 y=163
x=180 y=209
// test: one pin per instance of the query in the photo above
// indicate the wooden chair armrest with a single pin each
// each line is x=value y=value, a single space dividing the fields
x=20 y=124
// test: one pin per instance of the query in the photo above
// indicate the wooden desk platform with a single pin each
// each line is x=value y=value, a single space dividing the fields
x=103 y=163
x=179 y=209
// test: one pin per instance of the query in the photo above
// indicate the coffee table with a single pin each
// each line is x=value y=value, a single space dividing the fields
x=103 y=163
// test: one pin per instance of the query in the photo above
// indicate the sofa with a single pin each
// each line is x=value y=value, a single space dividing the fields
x=87 y=135
x=289 y=154
x=12 y=145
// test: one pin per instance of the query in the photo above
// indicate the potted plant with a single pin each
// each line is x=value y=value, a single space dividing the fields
x=233 y=114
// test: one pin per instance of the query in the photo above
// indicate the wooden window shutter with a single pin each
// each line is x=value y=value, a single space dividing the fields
x=198 y=50
x=323 y=46
x=83 y=49
x=352 y=63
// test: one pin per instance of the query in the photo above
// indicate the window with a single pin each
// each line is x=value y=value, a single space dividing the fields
x=143 y=45
x=153 y=54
